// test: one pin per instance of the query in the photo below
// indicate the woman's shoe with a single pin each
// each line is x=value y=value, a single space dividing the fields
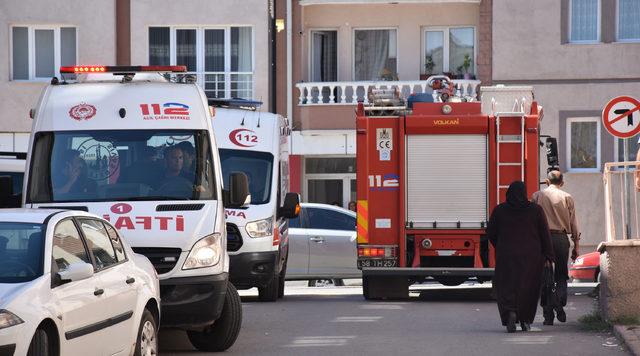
x=511 y=322
x=525 y=326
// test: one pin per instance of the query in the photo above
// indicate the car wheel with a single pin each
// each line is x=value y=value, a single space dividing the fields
x=311 y=283
x=147 y=341
x=40 y=344
x=269 y=293
x=224 y=332
x=338 y=282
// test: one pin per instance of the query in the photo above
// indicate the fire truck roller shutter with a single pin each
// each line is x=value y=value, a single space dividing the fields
x=447 y=181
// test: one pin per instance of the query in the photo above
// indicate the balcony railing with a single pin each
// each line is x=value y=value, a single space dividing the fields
x=226 y=85
x=350 y=93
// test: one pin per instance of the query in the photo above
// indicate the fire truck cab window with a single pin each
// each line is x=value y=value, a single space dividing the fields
x=329 y=220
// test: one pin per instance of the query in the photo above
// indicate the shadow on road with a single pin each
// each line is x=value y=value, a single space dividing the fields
x=457 y=294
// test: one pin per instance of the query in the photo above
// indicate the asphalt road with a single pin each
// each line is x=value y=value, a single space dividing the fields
x=435 y=321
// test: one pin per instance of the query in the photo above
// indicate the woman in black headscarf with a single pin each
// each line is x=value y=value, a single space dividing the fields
x=519 y=231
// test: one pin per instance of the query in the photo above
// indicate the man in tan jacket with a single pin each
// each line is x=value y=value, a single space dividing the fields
x=559 y=208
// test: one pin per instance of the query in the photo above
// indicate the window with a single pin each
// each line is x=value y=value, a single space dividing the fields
x=330 y=220
x=68 y=247
x=449 y=50
x=632 y=145
x=116 y=242
x=324 y=56
x=628 y=20
x=21 y=252
x=99 y=243
x=221 y=58
x=584 y=21
x=583 y=144
x=330 y=165
x=375 y=55
x=38 y=51
x=258 y=166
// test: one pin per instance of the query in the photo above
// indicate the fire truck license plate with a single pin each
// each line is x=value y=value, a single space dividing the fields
x=377 y=263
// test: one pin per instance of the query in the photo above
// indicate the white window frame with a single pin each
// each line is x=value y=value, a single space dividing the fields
x=445 y=49
x=596 y=169
x=310 y=59
x=616 y=146
x=598 y=26
x=353 y=47
x=618 y=39
x=200 y=51
x=31 y=47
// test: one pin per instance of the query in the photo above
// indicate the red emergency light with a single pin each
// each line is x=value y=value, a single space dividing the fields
x=121 y=69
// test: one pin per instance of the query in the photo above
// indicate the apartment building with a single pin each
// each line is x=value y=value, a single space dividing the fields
x=341 y=49
x=225 y=43
x=577 y=54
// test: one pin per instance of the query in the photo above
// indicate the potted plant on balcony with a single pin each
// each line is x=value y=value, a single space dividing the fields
x=466 y=64
x=428 y=67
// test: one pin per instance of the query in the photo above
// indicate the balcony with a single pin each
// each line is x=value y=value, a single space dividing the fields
x=329 y=105
x=350 y=93
x=225 y=85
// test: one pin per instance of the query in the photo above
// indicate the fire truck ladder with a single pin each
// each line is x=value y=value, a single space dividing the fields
x=520 y=114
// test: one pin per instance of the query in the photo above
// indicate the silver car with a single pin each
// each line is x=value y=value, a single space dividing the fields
x=322 y=244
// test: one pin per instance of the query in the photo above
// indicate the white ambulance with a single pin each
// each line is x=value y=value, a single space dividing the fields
x=256 y=144
x=127 y=144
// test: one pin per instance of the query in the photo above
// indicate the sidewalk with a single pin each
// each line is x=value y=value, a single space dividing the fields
x=630 y=334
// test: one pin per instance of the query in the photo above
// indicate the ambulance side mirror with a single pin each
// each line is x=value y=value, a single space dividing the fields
x=551 y=146
x=238 y=194
x=290 y=209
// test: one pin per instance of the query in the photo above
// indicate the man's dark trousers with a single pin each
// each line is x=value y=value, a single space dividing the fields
x=561 y=245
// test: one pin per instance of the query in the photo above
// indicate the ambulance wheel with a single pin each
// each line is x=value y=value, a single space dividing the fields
x=224 y=332
x=269 y=293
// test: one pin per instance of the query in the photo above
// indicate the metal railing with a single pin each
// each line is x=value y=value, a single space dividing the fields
x=350 y=93
x=226 y=85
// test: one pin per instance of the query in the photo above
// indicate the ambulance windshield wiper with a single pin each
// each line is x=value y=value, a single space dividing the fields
x=156 y=197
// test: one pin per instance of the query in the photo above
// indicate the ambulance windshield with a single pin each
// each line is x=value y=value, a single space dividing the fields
x=86 y=166
x=258 y=166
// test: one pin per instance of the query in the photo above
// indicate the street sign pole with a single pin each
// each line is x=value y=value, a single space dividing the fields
x=627 y=198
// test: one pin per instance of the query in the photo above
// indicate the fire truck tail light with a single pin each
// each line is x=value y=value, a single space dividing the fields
x=378 y=251
x=121 y=69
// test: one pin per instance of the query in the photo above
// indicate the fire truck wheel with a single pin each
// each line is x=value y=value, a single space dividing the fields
x=451 y=281
x=224 y=332
x=269 y=293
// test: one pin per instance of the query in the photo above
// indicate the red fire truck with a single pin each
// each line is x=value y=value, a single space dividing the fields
x=428 y=176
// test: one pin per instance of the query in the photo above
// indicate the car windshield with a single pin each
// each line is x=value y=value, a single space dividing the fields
x=21 y=252
x=85 y=166
x=256 y=165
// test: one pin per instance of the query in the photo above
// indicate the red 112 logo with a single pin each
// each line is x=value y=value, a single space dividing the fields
x=243 y=138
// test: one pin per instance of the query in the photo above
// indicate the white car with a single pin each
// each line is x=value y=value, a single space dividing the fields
x=69 y=285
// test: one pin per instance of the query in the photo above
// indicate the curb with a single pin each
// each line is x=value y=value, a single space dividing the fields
x=630 y=335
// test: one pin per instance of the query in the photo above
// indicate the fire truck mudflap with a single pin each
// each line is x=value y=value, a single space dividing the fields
x=427 y=180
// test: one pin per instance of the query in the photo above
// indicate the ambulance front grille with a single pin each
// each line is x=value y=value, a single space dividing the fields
x=234 y=238
x=162 y=259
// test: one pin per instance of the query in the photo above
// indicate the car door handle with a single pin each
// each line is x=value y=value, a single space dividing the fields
x=130 y=280
x=98 y=292
x=317 y=239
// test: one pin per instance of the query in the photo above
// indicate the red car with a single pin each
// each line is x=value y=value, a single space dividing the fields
x=586 y=268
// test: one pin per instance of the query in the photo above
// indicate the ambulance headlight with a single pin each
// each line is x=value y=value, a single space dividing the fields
x=205 y=253
x=260 y=228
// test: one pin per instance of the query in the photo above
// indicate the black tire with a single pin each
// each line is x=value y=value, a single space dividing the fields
x=40 y=344
x=282 y=280
x=338 y=282
x=365 y=288
x=311 y=283
x=147 y=334
x=269 y=293
x=224 y=332
x=451 y=281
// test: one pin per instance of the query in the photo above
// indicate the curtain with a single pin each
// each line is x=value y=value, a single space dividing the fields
x=214 y=50
x=324 y=56
x=68 y=46
x=461 y=43
x=45 y=61
x=241 y=48
x=371 y=57
x=584 y=143
x=629 y=19
x=434 y=48
x=584 y=20
x=186 y=49
x=159 y=53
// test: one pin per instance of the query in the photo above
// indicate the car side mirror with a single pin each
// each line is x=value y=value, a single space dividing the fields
x=551 y=146
x=7 y=199
x=238 y=194
x=76 y=272
x=291 y=207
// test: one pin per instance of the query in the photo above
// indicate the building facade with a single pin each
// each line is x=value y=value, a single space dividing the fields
x=577 y=55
